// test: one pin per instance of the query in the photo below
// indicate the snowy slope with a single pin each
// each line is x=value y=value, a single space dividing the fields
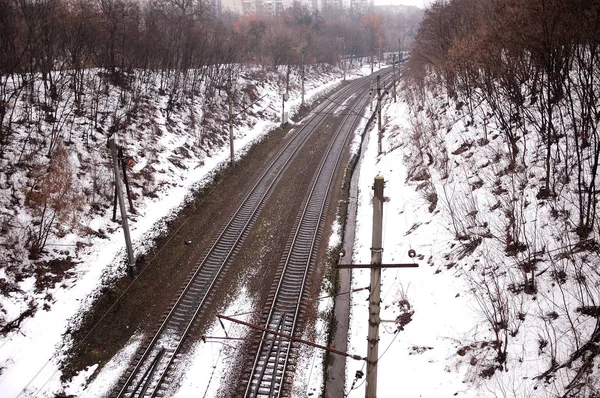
x=180 y=156
x=475 y=328
x=448 y=195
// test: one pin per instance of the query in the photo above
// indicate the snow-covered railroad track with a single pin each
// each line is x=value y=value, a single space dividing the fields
x=149 y=376
x=273 y=358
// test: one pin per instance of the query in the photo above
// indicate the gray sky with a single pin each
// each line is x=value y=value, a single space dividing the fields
x=418 y=3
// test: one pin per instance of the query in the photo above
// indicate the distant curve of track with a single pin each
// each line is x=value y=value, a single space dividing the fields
x=149 y=374
x=272 y=354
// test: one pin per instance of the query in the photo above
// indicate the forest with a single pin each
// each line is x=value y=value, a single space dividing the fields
x=76 y=71
x=524 y=77
x=58 y=43
x=535 y=64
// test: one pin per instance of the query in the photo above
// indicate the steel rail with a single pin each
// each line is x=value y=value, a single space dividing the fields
x=269 y=366
x=151 y=369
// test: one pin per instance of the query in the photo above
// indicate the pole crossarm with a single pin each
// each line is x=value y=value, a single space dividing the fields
x=293 y=338
x=353 y=266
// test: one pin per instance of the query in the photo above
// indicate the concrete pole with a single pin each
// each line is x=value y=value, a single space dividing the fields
x=282 y=109
x=287 y=81
x=124 y=171
x=375 y=287
x=124 y=221
x=379 y=132
x=231 y=149
x=400 y=50
x=371 y=95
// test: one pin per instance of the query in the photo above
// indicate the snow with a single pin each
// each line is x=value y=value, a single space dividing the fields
x=467 y=283
x=413 y=359
x=108 y=376
x=30 y=357
x=439 y=352
x=207 y=366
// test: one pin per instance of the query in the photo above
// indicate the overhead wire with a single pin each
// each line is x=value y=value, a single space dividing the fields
x=214 y=367
x=115 y=303
x=351 y=111
x=385 y=226
x=120 y=297
x=356 y=377
x=308 y=300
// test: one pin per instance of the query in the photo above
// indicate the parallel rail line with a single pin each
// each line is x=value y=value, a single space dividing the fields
x=272 y=358
x=149 y=375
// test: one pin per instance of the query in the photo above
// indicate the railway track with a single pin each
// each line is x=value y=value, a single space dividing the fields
x=273 y=354
x=150 y=373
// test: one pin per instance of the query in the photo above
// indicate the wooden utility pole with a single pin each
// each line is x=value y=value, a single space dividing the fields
x=374 y=298
x=124 y=221
x=394 y=76
x=302 y=102
x=231 y=151
x=379 y=132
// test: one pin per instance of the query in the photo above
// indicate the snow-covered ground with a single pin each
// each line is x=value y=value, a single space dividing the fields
x=440 y=347
x=465 y=325
x=30 y=356
x=413 y=362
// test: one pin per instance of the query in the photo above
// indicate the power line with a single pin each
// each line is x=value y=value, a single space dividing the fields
x=117 y=301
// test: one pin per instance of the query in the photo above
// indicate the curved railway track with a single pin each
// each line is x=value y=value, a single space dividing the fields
x=272 y=355
x=152 y=366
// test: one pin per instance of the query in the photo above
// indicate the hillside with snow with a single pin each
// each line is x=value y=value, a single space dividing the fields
x=65 y=202
x=505 y=300
x=466 y=324
x=496 y=152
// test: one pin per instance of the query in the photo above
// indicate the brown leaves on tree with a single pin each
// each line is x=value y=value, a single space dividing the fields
x=51 y=199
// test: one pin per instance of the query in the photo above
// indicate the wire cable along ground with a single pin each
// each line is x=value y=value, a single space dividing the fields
x=150 y=374
x=274 y=359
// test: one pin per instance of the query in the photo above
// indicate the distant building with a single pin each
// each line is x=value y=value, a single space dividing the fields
x=248 y=6
x=237 y=6
x=274 y=7
x=314 y=5
x=361 y=6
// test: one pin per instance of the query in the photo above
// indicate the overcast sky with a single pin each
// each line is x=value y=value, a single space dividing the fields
x=419 y=3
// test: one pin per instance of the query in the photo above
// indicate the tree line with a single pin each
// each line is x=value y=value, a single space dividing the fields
x=526 y=73
x=536 y=65
x=79 y=70
x=57 y=41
